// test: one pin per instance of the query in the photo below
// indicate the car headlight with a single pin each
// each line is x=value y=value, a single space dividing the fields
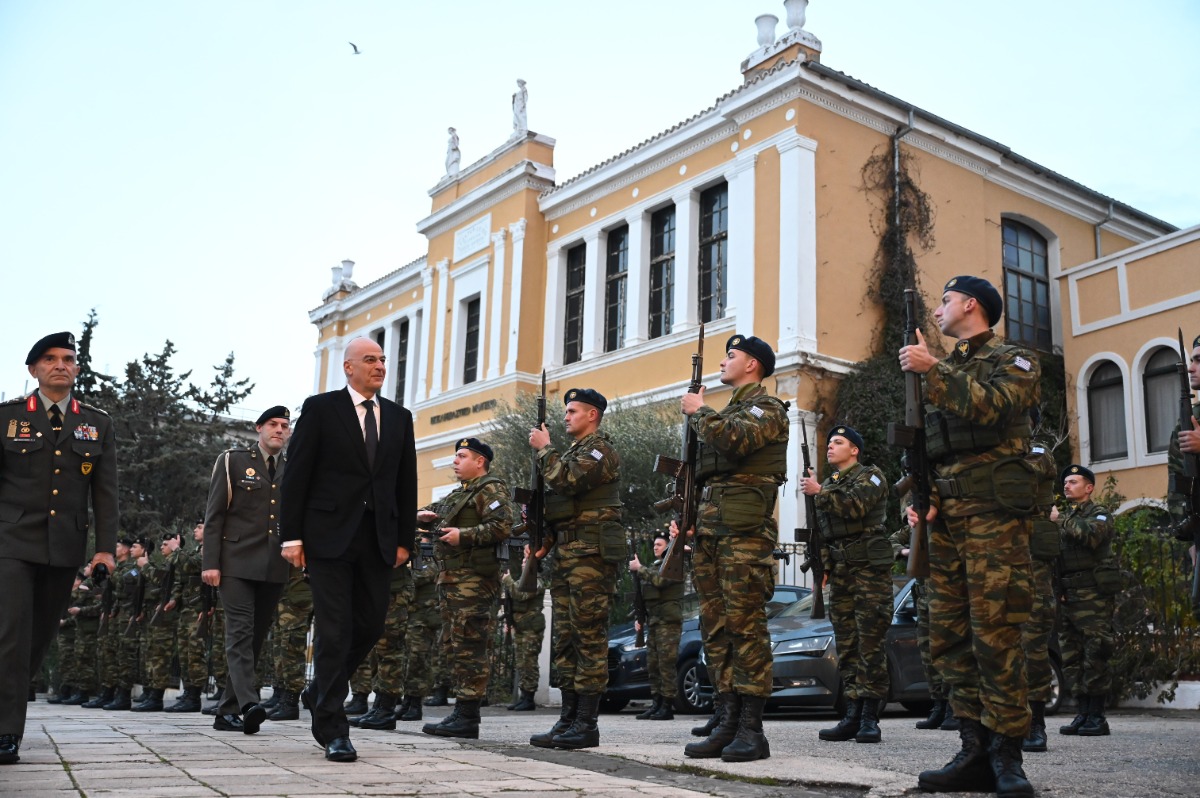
x=810 y=646
x=631 y=646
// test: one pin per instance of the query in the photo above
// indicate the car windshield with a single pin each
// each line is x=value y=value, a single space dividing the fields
x=800 y=607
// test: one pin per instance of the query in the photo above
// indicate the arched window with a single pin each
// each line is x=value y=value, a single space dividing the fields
x=1160 y=390
x=1026 y=286
x=1106 y=413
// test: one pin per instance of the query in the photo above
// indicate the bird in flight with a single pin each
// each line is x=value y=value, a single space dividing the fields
x=355 y=46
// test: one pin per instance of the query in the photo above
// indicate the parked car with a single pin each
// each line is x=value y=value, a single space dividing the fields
x=805 y=660
x=629 y=679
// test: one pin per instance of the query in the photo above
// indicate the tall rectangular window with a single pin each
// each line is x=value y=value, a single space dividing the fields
x=471 y=343
x=1026 y=286
x=616 y=271
x=573 y=313
x=401 y=367
x=1160 y=391
x=662 y=271
x=714 y=251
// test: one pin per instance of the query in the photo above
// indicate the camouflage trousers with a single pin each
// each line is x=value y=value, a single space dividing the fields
x=126 y=670
x=528 y=633
x=364 y=674
x=860 y=609
x=734 y=575
x=291 y=638
x=158 y=647
x=662 y=651
x=108 y=643
x=193 y=655
x=980 y=592
x=424 y=626
x=389 y=650
x=937 y=687
x=1087 y=641
x=468 y=602
x=581 y=592
x=1035 y=633
x=440 y=664
x=84 y=656
x=66 y=672
x=216 y=653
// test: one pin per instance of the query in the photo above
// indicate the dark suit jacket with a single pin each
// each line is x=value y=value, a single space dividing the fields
x=327 y=485
x=241 y=522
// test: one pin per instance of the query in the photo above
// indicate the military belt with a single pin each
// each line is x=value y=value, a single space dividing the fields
x=588 y=534
x=1079 y=579
x=963 y=486
x=851 y=551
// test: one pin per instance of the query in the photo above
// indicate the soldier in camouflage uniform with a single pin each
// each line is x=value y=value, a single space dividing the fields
x=388 y=657
x=1089 y=578
x=158 y=627
x=583 y=507
x=1185 y=442
x=851 y=509
x=85 y=609
x=68 y=669
x=472 y=521
x=420 y=640
x=1035 y=633
x=291 y=636
x=441 y=670
x=125 y=670
x=528 y=631
x=742 y=463
x=664 y=622
x=185 y=602
x=977 y=433
x=108 y=635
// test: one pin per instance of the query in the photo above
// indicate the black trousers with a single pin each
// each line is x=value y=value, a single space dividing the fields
x=249 y=609
x=350 y=602
x=35 y=598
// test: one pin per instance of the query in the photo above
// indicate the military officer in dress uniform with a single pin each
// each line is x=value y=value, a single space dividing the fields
x=241 y=557
x=59 y=458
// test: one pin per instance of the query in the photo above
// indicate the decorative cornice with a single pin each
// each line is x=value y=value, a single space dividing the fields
x=526 y=175
x=371 y=292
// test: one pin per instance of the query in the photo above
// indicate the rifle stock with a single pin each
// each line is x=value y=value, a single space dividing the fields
x=684 y=498
x=911 y=437
x=811 y=537
x=534 y=499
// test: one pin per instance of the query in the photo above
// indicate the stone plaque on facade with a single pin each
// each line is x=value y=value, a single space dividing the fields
x=472 y=238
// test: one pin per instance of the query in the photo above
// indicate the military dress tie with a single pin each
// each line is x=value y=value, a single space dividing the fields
x=371 y=431
x=56 y=419
x=271 y=467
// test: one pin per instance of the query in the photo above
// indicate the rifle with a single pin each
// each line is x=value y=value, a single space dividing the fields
x=164 y=594
x=534 y=517
x=208 y=600
x=684 y=492
x=1187 y=484
x=100 y=575
x=639 y=599
x=139 y=599
x=911 y=437
x=810 y=536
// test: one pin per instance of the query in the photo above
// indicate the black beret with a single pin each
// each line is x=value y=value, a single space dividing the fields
x=278 y=411
x=756 y=348
x=126 y=540
x=142 y=541
x=849 y=433
x=169 y=536
x=62 y=340
x=1196 y=342
x=1077 y=469
x=587 y=396
x=983 y=291
x=475 y=445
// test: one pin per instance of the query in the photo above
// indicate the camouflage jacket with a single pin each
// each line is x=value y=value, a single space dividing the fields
x=589 y=463
x=489 y=498
x=858 y=493
x=186 y=591
x=125 y=585
x=752 y=419
x=1086 y=536
x=524 y=602
x=87 y=598
x=1176 y=501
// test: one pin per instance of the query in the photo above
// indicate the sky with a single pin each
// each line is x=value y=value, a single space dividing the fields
x=193 y=170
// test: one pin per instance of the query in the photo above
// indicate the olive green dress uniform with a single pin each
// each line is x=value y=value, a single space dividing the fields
x=529 y=631
x=1036 y=632
x=664 y=625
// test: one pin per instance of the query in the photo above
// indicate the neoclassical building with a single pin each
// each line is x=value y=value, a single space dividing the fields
x=750 y=216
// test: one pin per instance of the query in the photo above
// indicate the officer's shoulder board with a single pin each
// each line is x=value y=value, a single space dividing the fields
x=14 y=401
x=238 y=450
x=93 y=408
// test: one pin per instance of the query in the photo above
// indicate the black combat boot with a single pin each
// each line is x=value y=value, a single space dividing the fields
x=938 y=713
x=950 y=723
x=848 y=726
x=120 y=700
x=585 y=731
x=868 y=728
x=462 y=723
x=359 y=716
x=1035 y=741
x=665 y=711
x=382 y=717
x=217 y=699
x=750 y=743
x=102 y=698
x=713 y=721
x=151 y=701
x=1096 y=724
x=357 y=705
x=288 y=707
x=723 y=734
x=1005 y=755
x=77 y=698
x=440 y=698
x=970 y=770
x=524 y=703
x=570 y=706
x=271 y=702
x=63 y=691
x=650 y=710
x=188 y=701
x=412 y=711
x=1085 y=703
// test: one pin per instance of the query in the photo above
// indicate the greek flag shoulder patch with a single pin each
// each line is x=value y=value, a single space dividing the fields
x=756 y=411
x=875 y=480
x=1022 y=363
x=494 y=505
x=597 y=454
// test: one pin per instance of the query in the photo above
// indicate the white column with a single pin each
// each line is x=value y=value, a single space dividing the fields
x=317 y=369
x=556 y=296
x=414 y=358
x=437 y=320
x=514 y=301
x=593 y=297
x=740 y=275
x=637 y=281
x=797 y=245
x=546 y=695
x=687 y=244
x=495 y=306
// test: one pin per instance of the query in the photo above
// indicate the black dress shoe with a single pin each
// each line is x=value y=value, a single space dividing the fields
x=9 y=747
x=340 y=750
x=228 y=723
x=253 y=716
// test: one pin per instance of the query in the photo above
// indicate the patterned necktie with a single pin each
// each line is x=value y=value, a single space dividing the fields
x=371 y=431
x=56 y=419
x=271 y=467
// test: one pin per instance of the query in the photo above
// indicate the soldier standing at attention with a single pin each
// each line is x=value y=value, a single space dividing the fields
x=241 y=557
x=742 y=463
x=474 y=519
x=185 y=597
x=58 y=460
x=291 y=638
x=421 y=637
x=86 y=612
x=108 y=637
x=664 y=619
x=583 y=506
x=977 y=434
x=158 y=633
x=851 y=511
x=1036 y=632
x=1090 y=579
x=125 y=596
x=529 y=629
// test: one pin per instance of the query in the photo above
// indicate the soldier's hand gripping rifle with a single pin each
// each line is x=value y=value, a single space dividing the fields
x=811 y=537
x=208 y=601
x=1187 y=484
x=911 y=437
x=164 y=593
x=100 y=576
x=684 y=498
x=139 y=601
x=534 y=520
x=639 y=598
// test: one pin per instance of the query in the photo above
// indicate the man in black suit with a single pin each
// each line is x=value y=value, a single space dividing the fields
x=349 y=507
x=58 y=457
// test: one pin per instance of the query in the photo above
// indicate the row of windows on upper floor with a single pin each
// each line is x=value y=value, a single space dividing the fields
x=1107 y=403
